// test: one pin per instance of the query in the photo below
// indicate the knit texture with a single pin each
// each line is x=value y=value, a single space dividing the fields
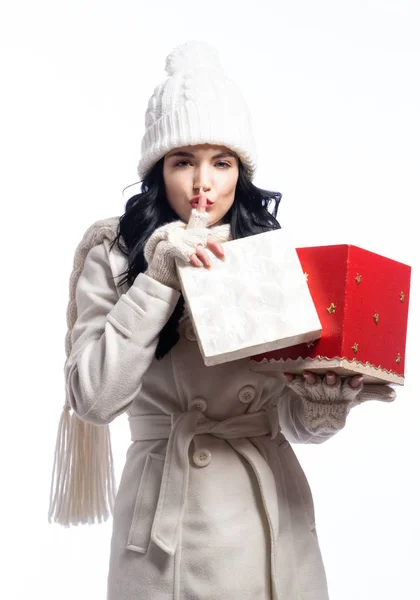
x=326 y=407
x=83 y=486
x=96 y=234
x=179 y=241
x=196 y=104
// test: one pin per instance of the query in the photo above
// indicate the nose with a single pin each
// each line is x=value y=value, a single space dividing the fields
x=201 y=179
x=196 y=188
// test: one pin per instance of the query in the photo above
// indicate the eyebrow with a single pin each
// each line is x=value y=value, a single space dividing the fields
x=190 y=155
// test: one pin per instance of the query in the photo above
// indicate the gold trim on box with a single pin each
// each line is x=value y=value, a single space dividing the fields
x=323 y=363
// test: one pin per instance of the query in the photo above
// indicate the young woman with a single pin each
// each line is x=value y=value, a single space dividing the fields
x=212 y=502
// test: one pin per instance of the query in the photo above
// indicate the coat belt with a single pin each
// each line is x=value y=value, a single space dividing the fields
x=179 y=429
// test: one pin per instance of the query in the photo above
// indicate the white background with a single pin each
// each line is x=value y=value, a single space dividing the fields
x=334 y=92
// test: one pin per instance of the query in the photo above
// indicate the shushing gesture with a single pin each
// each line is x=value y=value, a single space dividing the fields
x=199 y=218
x=187 y=242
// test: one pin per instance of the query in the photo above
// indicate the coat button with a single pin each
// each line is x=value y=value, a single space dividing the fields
x=202 y=457
x=198 y=404
x=247 y=394
x=190 y=333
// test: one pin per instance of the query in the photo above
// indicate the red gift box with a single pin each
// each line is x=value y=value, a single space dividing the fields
x=362 y=302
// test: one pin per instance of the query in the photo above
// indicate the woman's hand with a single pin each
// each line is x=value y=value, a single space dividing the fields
x=327 y=389
x=201 y=257
x=327 y=401
x=330 y=379
x=352 y=389
x=184 y=242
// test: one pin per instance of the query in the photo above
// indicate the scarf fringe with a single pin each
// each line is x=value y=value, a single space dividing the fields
x=83 y=486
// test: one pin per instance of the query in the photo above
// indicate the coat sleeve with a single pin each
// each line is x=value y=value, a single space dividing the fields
x=114 y=338
x=306 y=422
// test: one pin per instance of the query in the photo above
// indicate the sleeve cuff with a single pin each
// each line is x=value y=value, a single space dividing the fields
x=156 y=289
x=144 y=309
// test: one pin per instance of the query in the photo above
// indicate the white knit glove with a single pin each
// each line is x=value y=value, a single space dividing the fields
x=326 y=406
x=178 y=240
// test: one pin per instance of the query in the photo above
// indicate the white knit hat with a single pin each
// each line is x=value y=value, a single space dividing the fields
x=196 y=104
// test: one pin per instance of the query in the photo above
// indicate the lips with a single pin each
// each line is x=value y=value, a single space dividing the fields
x=208 y=204
x=194 y=202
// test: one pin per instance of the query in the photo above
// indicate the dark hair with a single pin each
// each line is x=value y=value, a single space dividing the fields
x=253 y=211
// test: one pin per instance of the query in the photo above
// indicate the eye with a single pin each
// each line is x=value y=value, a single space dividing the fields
x=182 y=163
x=223 y=164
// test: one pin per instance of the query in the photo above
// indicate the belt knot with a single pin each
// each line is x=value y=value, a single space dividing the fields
x=179 y=429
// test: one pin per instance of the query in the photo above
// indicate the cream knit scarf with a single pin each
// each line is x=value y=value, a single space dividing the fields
x=83 y=482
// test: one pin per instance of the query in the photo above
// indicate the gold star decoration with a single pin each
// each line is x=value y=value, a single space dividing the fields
x=402 y=296
x=306 y=276
x=398 y=359
x=358 y=279
x=376 y=318
x=331 y=309
x=355 y=347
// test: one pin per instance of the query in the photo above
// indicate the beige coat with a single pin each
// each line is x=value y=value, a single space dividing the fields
x=212 y=503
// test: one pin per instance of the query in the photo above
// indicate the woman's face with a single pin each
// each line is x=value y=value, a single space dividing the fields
x=214 y=168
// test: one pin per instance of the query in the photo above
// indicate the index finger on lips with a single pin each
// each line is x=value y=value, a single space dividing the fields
x=202 y=201
x=199 y=216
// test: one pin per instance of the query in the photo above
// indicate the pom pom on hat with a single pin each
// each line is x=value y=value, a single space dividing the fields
x=192 y=55
x=196 y=104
